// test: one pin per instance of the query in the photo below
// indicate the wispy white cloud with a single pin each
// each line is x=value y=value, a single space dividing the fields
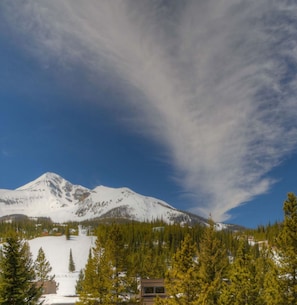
x=214 y=81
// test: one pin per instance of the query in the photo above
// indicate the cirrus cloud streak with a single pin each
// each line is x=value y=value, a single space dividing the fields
x=213 y=81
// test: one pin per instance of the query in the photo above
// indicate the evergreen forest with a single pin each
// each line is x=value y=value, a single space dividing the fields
x=199 y=264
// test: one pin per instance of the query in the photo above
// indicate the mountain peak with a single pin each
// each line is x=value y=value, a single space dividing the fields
x=45 y=179
x=52 y=196
x=50 y=175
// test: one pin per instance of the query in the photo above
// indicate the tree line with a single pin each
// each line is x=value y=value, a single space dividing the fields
x=199 y=264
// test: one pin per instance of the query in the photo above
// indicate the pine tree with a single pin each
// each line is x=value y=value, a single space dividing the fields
x=17 y=286
x=241 y=288
x=67 y=233
x=181 y=280
x=287 y=246
x=71 y=266
x=97 y=285
x=272 y=290
x=79 y=282
x=106 y=278
x=153 y=264
x=88 y=284
x=42 y=267
x=1 y=253
x=115 y=251
x=213 y=262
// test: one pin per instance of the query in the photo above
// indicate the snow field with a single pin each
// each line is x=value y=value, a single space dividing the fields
x=57 y=251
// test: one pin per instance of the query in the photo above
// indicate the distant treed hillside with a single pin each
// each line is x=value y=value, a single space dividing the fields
x=154 y=242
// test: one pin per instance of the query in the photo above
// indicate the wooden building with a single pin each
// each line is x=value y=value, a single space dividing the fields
x=150 y=289
x=48 y=287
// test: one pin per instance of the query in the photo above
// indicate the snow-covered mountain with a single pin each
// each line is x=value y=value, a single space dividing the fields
x=52 y=196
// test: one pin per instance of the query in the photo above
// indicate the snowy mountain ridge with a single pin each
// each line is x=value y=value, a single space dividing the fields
x=52 y=196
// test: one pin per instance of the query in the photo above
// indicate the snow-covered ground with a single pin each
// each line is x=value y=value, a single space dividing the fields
x=57 y=252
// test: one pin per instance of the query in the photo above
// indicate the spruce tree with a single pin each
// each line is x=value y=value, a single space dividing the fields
x=79 y=282
x=287 y=247
x=272 y=290
x=1 y=253
x=241 y=288
x=71 y=266
x=181 y=280
x=42 y=267
x=154 y=264
x=88 y=284
x=97 y=284
x=115 y=252
x=67 y=233
x=17 y=286
x=213 y=262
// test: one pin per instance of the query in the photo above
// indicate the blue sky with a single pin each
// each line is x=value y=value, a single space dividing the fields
x=192 y=102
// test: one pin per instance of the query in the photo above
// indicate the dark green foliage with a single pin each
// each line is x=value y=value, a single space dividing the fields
x=268 y=276
x=71 y=266
x=287 y=246
x=147 y=247
x=30 y=228
x=213 y=263
x=79 y=282
x=181 y=280
x=252 y=278
x=269 y=232
x=67 y=233
x=17 y=286
x=193 y=260
x=96 y=285
x=197 y=272
x=42 y=267
x=241 y=288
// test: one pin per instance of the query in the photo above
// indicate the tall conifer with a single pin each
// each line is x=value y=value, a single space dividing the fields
x=272 y=291
x=96 y=286
x=67 y=233
x=115 y=251
x=213 y=262
x=42 y=267
x=181 y=280
x=79 y=285
x=17 y=286
x=241 y=288
x=71 y=266
x=287 y=247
